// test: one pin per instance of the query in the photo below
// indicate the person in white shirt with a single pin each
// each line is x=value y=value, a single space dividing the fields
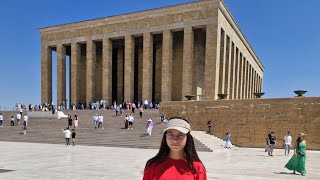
x=287 y=144
x=25 y=124
x=131 y=119
x=149 y=126
x=18 y=118
x=67 y=134
x=1 y=120
x=95 y=120
x=100 y=119
x=146 y=103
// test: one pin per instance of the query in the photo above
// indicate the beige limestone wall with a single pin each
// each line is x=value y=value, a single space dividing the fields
x=250 y=120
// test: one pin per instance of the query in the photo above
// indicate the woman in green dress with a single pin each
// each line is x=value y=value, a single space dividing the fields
x=298 y=160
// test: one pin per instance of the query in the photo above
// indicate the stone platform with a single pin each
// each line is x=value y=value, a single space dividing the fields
x=56 y=161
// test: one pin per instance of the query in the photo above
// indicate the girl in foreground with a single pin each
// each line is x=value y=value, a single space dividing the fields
x=177 y=158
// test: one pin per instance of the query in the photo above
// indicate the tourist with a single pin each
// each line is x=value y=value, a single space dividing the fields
x=76 y=121
x=18 y=118
x=268 y=144
x=272 y=139
x=228 y=141
x=100 y=121
x=130 y=120
x=146 y=103
x=287 y=144
x=209 y=126
x=149 y=126
x=73 y=135
x=95 y=120
x=25 y=124
x=12 y=121
x=1 y=120
x=177 y=157
x=69 y=120
x=133 y=107
x=298 y=160
x=161 y=118
x=141 y=111
x=126 y=121
x=67 y=134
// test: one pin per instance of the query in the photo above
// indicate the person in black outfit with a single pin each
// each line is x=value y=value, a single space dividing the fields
x=209 y=127
x=73 y=135
x=69 y=121
x=272 y=139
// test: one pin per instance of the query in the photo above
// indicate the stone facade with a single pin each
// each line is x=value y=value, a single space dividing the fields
x=249 y=121
x=160 y=55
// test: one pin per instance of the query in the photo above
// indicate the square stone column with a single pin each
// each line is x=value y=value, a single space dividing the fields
x=241 y=76
x=147 y=65
x=46 y=73
x=237 y=74
x=211 y=74
x=166 y=66
x=233 y=70
x=90 y=59
x=187 y=70
x=61 y=74
x=129 y=69
x=75 y=78
x=107 y=70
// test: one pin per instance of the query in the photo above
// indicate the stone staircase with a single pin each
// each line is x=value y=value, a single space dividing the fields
x=210 y=141
x=114 y=135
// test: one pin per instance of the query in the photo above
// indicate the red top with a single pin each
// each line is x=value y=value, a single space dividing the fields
x=174 y=169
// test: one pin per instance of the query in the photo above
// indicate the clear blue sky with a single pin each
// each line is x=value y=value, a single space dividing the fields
x=283 y=33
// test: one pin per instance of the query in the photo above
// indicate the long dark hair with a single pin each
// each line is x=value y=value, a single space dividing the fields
x=189 y=150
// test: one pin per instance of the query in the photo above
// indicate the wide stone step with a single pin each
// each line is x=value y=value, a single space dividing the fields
x=113 y=134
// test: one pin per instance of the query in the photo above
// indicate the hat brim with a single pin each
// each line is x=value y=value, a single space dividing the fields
x=181 y=129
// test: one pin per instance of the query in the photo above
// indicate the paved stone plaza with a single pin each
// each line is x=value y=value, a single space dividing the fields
x=52 y=161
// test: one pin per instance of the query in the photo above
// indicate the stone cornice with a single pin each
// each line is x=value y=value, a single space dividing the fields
x=225 y=11
x=149 y=18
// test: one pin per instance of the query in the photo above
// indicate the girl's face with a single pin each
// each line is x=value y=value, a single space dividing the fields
x=176 y=140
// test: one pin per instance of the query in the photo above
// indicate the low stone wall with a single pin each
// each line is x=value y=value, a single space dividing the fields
x=249 y=121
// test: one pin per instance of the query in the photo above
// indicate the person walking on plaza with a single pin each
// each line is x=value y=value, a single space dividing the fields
x=149 y=126
x=268 y=144
x=287 y=144
x=100 y=121
x=76 y=121
x=133 y=107
x=228 y=141
x=73 y=135
x=67 y=134
x=25 y=124
x=272 y=139
x=298 y=160
x=177 y=157
x=95 y=120
x=18 y=118
x=12 y=121
x=1 y=120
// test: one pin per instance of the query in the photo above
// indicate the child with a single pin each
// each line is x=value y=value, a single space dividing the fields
x=73 y=135
x=228 y=142
x=12 y=121
x=177 y=157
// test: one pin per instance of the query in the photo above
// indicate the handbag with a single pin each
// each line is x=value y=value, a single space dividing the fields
x=301 y=153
